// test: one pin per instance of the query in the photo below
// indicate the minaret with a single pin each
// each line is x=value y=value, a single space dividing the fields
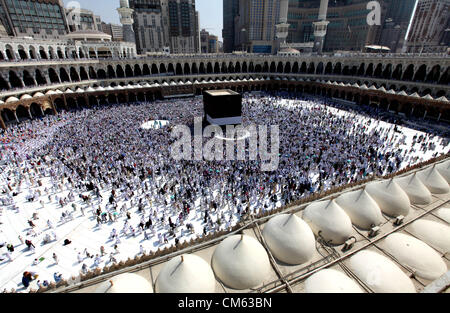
x=282 y=26
x=126 y=19
x=320 y=27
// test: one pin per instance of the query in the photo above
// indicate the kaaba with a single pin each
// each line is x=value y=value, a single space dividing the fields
x=222 y=107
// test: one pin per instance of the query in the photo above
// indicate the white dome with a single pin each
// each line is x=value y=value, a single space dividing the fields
x=241 y=262
x=415 y=254
x=434 y=181
x=415 y=189
x=444 y=213
x=38 y=94
x=289 y=239
x=444 y=169
x=390 y=197
x=186 y=274
x=328 y=218
x=11 y=99
x=433 y=233
x=25 y=96
x=361 y=208
x=379 y=273
x=125 y=283
x=331 y=281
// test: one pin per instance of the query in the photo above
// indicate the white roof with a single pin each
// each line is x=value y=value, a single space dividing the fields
x=118 y=87
x=415 y=254
x=241 y=262
x=391 y=199
x=363 y=86
x=331 y=281
x=382 y=89
x=444 y=213
x=415 y=189
x=146 y=85
x=392 y=92
x=58 y=91
x=379 y=273
x=433 y=180
x=444 y=169
x=402 y=93
x=129 y=86
x=25 y=96
x=172 y=83
x=428 y=97
x=355 y=85
x=99 y=88
x=188 y=82
x=125 y=283
x=90 y=89
x=180 y=82
x=373 y=87
x=289 y=239
x=442 y=99
x=415 y=95
x=11 y=99
x=328 y=218
x=186 y=274
x=51 y=92
x=68 y=90
x=362 y=209
x=109 y=88
x=433 y=233
x=38 y=94
x=79 y=90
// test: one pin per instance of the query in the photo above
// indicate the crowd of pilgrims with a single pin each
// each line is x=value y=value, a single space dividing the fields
x=101 y=163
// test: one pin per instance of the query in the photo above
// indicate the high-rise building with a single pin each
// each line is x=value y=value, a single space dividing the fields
x=256 y=25
x=116 y=31
x=396 y=23
x=204 y=35
x=230 y=12
x=213 y=44
x=183 y=31
x=332 y=25
x=429 y=30
x=34 y=18
x=209 y=43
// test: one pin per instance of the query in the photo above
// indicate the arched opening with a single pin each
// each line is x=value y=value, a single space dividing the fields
x=361 y=70
x=42 y=53
x=272 y=67
x=3 y=84
x=81 y=53
x=251 y=68
x=101 y=74
x=440 y=93
x=59 y=104
x=231 y=68
x=354 y=70
x=258 y=68
x=83 y=74
x=35 y=110
x=287 y=68
x=28 y=79
x=387 y=72
x=397 y=74
x=63 y=75
x=311 y=68
x=445 y=78
x=217 y=68
x=337 y=68
x=224 y=68
x=10 y=53
x=154 y=69
x=244 y=67
x=187 y=69
x=194 y=68
x=209 y=68
x=8 y=116
x=179 y=69
x=280 y=67
x=22 y=53
x=128 y=71
x=238 y=67
x=433 y=75
x=162 y=69
x=32 y=52
x=74 y=75
x=201 y=69
x=319 y=69
x=378 y=71
x=170 y=69
x=421 y=73
x=119 y=71
x=110 y=72
x=408 y=75
x=22 y=113
x=14 y=80
x=92 y=73
x=137 y=70
x=145 y=70
x=54 y=78
x=328 y=68
x=369 y=71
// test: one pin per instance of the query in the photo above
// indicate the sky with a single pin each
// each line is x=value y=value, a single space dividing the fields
x=210 y=12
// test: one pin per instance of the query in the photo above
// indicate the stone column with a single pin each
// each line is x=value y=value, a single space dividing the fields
x=29 y=114
x=42 y=110
x=425 y=115
x=15 y=116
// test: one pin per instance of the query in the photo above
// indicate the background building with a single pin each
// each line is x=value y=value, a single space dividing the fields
x=116 y=31
x=183 y=28
x=204 y=35
x=256 y=22
x=429 y=30
x=82 y=19
x=230 y=12
x=33 y=18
